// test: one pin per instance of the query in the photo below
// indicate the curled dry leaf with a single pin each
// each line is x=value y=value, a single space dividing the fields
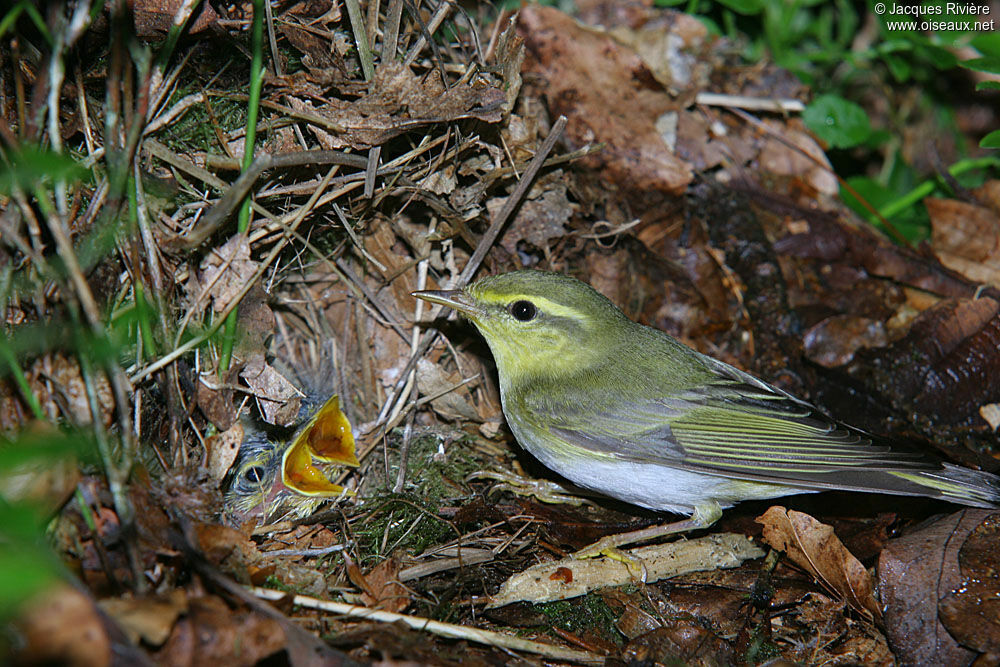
x=221 y=450
x=966 y=236
x=814 y=547
x=277 y=398
x=226 y=271
x=382 y=589
x=148 y=619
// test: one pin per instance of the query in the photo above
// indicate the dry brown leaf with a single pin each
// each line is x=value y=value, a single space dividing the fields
x=383 y=590
x=277 y=398
x=539 y=220
x=603 y=89
x=814 y=546
x=213 y=634
x=217 y=403
x=808 y=163
x=154 y=18
x=667 y=45
x=62 y=626
x=452 y=401
x=226 y=270
x=399 y=101
x=221 y=450
x=48 y=478
x=148 y=619
x=60 y=388
x=966 y=237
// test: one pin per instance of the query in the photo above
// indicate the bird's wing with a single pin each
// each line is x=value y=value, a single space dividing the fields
x=736 y=427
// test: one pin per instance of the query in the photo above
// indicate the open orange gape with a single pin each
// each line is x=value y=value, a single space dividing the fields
x=274 y=479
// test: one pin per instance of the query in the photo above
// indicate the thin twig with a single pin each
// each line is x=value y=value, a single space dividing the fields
x=485 y=243
x=487 y=637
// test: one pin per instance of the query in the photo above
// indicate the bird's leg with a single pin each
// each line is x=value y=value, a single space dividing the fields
x=543 y=490
x=702 y=517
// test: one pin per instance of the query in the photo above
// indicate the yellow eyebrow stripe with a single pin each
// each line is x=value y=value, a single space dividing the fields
x=545 y=305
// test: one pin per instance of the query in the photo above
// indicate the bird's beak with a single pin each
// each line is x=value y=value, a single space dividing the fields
x=453 y=298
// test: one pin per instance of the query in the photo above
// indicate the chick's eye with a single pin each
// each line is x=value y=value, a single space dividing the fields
x=523 y=311
x=254 y=474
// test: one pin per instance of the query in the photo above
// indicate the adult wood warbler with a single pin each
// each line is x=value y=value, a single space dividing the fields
x=630 y=412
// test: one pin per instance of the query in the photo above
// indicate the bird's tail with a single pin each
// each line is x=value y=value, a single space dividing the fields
x=958 y=485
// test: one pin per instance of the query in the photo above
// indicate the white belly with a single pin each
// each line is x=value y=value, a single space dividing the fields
x=652 y=485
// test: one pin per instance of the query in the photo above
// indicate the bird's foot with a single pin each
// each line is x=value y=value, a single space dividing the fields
x=702 y=517
x=543 y=490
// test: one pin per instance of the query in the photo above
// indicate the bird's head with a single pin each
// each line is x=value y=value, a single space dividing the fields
x=537 y=323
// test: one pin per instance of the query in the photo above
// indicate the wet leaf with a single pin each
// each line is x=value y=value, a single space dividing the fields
x=971 y=612
x=914 y=571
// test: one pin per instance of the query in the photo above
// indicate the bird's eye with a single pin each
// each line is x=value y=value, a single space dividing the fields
x=523 y=311
x=254 y=474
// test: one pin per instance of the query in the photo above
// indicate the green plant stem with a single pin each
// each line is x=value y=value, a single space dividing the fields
x=927 y=187
x=256 y=80
x=21 y=381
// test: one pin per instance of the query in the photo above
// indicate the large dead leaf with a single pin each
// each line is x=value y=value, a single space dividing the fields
x=814 y=547
x=914 y=571
x=62 y=626
x=966 y=236
x=971 y=612
x=604 y=90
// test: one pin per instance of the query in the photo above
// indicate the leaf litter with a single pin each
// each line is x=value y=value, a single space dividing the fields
x=720 y=229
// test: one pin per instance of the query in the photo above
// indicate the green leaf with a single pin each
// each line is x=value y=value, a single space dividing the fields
x=991 y=140
x=838 y=122
x=989 y=64
x=942 y=58
x=900 y=68
x=987 y=43
x=29 y=165
x=23 y=572
x=744 y=7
